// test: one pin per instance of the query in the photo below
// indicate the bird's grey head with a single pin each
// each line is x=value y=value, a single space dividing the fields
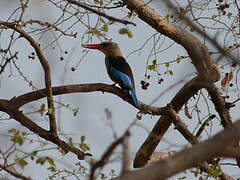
x=108 y=48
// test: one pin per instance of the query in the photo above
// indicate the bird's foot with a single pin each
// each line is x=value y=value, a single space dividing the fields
x=139 y=115
x=114 y=84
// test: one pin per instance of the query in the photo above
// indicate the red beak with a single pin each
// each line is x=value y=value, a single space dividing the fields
x=92 y=46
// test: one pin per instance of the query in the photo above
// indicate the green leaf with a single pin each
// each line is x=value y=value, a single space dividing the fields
x=24 y=133
x=52 y=169
x=42 y=109
x=154 y=62
x=130 y=34
x=112 y=171
x=33 y=154
x=122 y=31
x=51 y=110
x=41 y=160
x=229 y=14
x=22 y=163
x=166 y=64
x=152 y=67
x=102 y=20
x=105 y=28
x=102 y=176
x=170 y=72
x=82 y=139
x=125 y=31
x=84 y=147
x=98 y=2
x=178 y=59
x=75 y=111
x=50 y=161
x=32 y=157
x=18 y=139
x=13 y=130
x=95 y=32
x=215 y=173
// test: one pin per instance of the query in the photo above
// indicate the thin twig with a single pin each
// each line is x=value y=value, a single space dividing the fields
x=14 y=113
x=105 y=157
x=205 y=123
x=111 y=18
x=126 y=157
x=47 y=73
x=8 y=60
x=199 y=31
x=14 y=173
x=49 y=25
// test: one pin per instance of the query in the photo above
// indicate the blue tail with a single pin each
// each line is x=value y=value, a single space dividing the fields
x=134 y=98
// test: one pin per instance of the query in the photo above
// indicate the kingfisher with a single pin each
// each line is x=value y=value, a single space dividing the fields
x=117 y=67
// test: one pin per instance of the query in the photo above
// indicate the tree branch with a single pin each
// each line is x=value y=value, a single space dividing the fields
x=47 y=73
x=200 y=57
x=223 y=110
x=8 y=60
x=197 y=51
x=14 y=113
x=126 y=158
x=205 y=123
x=14 y=173
x=111 y=18
x=105 y=157
x=190 y=23
x=189 y=157
x=80 y=88
x=149 y=145
x=220 y=105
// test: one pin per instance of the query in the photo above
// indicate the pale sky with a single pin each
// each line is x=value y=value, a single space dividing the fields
x=91 y=120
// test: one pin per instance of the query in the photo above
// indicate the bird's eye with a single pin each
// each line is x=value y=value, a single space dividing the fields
x=104 y=44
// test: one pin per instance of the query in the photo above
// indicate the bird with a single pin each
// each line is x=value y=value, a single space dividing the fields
x=117 y=67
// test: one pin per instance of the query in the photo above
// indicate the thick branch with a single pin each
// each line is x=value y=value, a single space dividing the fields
x=180 y=126
x=77 y=88
x=220 y=105
x=190 y=157
x=197 y=51
x=14 y=113
x=149 y=145
x=14 y=173
x=222 y=108
x=197 y=29
x=199 y=54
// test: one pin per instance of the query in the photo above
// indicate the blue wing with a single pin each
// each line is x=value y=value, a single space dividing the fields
x=122 y=79
x=127 y=82
x=134 y=98
x=120 y=72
